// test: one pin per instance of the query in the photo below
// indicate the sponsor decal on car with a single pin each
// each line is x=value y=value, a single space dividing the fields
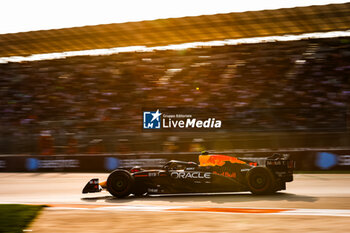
x=227 y=174
x=152 y=190
x=191 y=175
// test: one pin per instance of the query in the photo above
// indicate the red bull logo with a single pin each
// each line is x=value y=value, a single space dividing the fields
x=217 y=160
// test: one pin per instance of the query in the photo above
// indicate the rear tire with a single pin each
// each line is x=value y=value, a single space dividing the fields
x=260 y=180
x=120 y=183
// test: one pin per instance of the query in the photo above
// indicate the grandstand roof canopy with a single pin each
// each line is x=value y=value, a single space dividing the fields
x=333 y=17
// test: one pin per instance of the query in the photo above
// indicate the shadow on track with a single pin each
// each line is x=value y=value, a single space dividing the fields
x=202 y=197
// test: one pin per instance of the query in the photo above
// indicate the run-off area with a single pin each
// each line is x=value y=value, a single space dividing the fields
x=311 y=203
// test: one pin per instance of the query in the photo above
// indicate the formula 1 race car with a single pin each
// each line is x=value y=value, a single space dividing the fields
x=215 y=173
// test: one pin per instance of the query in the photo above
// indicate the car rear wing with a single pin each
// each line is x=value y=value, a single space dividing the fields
x=290 y=164
x=276 y=160
x=280 y=166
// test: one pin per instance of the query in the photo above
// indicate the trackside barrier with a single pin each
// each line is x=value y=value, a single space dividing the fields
x=306 y=160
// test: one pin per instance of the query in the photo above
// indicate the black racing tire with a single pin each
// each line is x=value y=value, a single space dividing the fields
x=120 y=183
x=139 y=189
x=260 y=180
x=140 y=193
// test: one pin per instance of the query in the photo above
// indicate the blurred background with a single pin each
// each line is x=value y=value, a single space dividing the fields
x=76 y=77
x=279 y=79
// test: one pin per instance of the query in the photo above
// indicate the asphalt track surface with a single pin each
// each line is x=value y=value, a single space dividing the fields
x=311 y=203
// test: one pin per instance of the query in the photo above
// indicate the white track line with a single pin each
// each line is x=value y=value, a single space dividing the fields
x=305 y=212
x=217 y=210
x=317 y=212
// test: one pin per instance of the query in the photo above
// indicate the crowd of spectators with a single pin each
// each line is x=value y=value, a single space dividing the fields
x=296 y=85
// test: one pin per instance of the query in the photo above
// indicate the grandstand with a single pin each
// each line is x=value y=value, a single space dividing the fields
x=271 y=95
x=294 y=21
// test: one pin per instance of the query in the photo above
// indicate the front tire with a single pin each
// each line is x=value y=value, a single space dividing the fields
x=260 y=180
x=120 y=183
x=140 y=193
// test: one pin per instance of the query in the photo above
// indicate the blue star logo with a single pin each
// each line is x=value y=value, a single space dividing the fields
x=151 y=120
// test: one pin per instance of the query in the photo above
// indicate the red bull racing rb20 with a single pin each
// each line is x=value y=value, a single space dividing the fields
x=214 y=173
